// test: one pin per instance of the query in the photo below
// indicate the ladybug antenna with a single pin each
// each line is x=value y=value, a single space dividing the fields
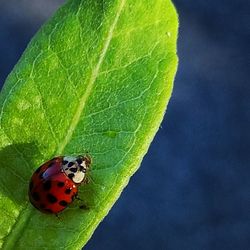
x=88 y=160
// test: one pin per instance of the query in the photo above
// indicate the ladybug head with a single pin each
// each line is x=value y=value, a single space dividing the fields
x=76 y=167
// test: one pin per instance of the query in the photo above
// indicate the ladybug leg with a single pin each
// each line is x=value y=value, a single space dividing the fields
x=83 y=206
x=86 y=180
x=77 y=198
x=57 y=216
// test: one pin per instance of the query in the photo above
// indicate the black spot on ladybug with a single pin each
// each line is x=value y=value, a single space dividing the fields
x=38 y=170
x=47 y=185
x=51 y=198
x=63 y=203
x=71 y=176
x=36 y=196
x=48 y=210
x=83 y=169
x=64 y=162
x=31 y=185
x=74 y=170
x=79 y=161
x=60 y=184
x=67 y=191
x=70 y=164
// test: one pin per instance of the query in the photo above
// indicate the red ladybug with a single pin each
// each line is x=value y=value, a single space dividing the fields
x=54 y=185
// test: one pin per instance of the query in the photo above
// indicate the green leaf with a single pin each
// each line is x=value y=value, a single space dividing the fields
x=97 y=77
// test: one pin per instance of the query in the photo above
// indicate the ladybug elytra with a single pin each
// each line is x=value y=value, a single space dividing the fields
x=54 y=185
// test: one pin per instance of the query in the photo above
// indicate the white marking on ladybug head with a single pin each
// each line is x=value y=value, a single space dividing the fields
x=78 y=177
x=75 y=167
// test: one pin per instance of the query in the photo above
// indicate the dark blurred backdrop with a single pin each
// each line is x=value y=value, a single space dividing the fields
x=196 y=194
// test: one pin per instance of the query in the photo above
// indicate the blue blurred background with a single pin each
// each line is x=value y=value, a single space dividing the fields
x=196 y=194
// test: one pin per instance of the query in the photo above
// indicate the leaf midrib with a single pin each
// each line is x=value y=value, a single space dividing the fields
x=26 y=213
x=76 y=118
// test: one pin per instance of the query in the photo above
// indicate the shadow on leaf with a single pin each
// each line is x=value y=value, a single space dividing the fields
x=17 y=162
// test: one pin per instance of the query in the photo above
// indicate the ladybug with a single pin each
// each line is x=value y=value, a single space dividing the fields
x=54 y=185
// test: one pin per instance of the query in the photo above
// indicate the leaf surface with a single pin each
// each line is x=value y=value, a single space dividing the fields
x=97 y=77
